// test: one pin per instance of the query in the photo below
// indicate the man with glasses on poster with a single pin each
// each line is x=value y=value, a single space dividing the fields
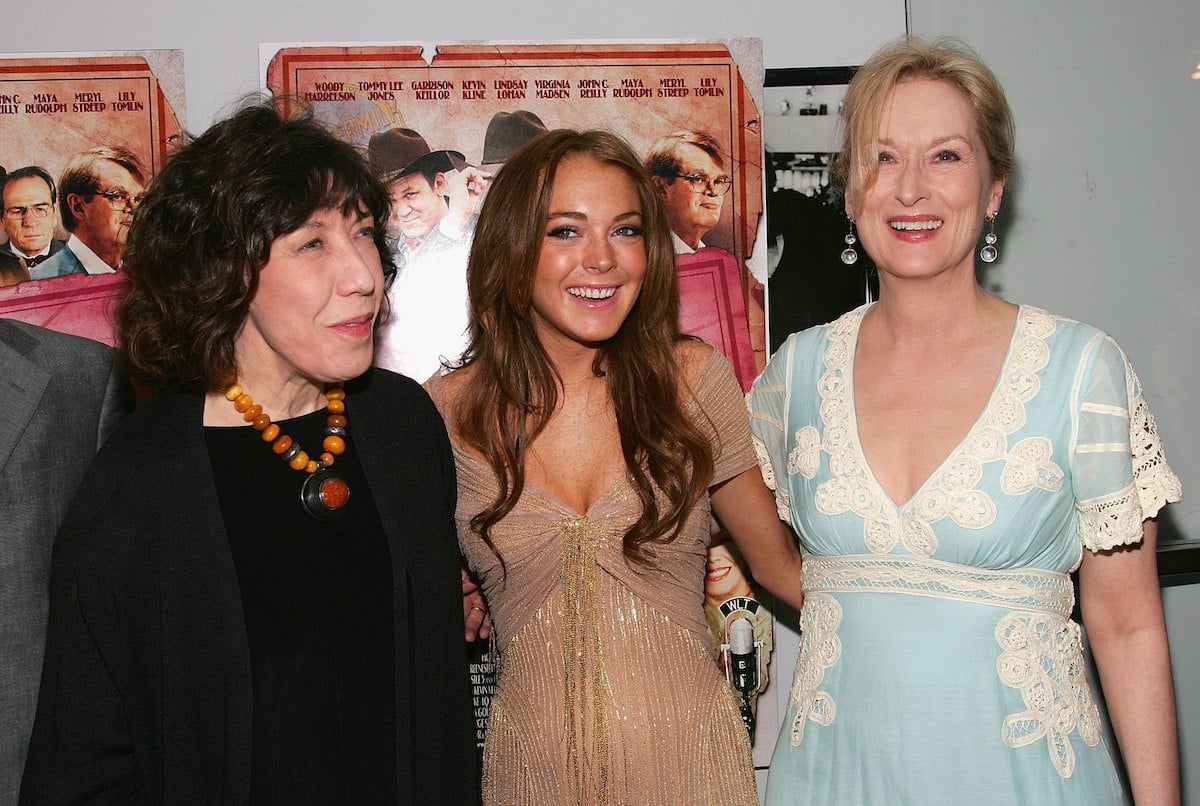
x=690 y=173
x=29 y=200
x=99 y=189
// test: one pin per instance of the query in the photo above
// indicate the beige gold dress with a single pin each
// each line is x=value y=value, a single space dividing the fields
x=607 y=692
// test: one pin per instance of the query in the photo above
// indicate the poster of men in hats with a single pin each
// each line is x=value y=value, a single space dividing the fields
x=437 y=123
x=687 y=108
x=80 y=137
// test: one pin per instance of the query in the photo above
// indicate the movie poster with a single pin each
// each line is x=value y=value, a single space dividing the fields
x=438 y=122
x=472 y=105
x=105 y=123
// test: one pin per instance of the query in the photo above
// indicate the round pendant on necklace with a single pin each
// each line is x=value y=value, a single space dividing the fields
x=325 y=494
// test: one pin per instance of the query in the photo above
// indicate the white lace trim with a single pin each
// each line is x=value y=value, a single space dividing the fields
x=1042 y=657
x=805 y=458
x=1157 y=484
x=1041 y=653
x=949 y=492
x=783 y=502
x=1030 y=589
x=820 y=648
x=1116 y=520
x=1028 y=465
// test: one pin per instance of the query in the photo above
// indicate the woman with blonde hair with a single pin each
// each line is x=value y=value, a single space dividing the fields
x=949 y=459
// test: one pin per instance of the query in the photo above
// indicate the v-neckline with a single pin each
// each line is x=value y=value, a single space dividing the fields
x=545 y=493
x=436 y=388
x=956 y=449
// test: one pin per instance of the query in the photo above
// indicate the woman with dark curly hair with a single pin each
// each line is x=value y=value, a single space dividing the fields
x=590 y=438
x=234 y=617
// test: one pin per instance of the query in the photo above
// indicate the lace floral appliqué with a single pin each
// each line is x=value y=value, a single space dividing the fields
x=1156 y=483
x=1043 y=658
x=820 y=648
x=805 y=458
x=1029 y=465
x=783 y=502
x=950 y=492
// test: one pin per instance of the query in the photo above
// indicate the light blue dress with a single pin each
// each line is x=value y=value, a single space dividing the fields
x=938 y=663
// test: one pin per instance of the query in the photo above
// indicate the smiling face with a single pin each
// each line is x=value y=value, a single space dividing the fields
x=593 y=256
x=924 y=212
x=312 y=317
x=417 y=206
x=101 y=222
x=29 y=233
x=723 y=575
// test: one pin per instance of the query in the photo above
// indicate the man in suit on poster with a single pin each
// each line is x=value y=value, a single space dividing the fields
x=29 y=203
x=689 y=171
x=98 y=191
x=62 y=396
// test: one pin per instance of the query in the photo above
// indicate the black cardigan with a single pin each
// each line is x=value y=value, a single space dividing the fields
x=146 y=688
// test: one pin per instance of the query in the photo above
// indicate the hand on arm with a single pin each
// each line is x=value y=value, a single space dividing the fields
x=746 y=508
x=1122 y=612
x=475 y=609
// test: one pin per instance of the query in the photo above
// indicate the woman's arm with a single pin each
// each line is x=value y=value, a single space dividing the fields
x=746 y=508
x=1122 y=612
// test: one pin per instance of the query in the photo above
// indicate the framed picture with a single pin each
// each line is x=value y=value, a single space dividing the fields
x=808 y=283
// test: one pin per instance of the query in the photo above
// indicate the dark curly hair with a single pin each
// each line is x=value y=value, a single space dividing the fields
x=205 y=229
x=513 y=390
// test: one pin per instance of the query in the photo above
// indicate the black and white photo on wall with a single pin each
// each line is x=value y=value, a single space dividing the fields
x=808 y=283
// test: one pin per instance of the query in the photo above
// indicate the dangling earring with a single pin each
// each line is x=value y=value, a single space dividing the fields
x=849 y=255
x=988 y=253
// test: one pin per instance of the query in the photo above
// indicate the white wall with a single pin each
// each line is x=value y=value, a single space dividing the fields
x=1103 y=222
x=1104 y=225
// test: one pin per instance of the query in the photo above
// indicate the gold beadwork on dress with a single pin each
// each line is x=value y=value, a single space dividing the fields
x=583 y=661
x=622 y=649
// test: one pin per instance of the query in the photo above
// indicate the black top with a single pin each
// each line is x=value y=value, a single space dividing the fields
x=147 y=689
x=317 y=599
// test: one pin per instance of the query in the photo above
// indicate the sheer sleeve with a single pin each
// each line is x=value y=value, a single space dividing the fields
x=767 y=402
x=1121 y=476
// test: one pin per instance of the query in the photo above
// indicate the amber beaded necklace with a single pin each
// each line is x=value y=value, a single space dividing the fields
x=325 y=493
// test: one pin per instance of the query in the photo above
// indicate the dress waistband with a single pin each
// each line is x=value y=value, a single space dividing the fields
x=1023 y=589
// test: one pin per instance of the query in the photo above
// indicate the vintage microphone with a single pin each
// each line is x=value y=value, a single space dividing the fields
x=743 y=667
